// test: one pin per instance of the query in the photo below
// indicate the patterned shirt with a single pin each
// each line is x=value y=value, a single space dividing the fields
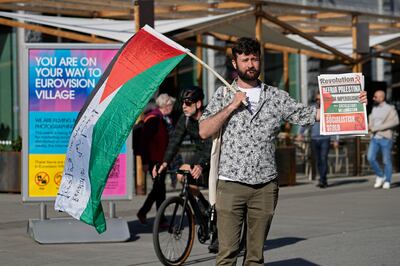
x=248 y=140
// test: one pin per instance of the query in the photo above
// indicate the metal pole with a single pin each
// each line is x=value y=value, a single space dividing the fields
x=357 y=68
x=19 y=79
x=303 y=79
x=210 y=79
x=111 y=208
x=43 y=211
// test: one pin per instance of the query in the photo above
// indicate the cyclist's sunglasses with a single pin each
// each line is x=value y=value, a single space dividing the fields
x=188 y=102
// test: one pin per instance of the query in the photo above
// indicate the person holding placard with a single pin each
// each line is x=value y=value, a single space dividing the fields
x=320 y=145
x=247 y=188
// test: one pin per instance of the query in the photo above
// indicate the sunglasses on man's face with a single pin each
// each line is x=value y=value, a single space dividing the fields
x=187 y=102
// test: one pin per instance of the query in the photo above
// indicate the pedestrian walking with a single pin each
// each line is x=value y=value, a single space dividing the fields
x=382 y=120
x=154 y=140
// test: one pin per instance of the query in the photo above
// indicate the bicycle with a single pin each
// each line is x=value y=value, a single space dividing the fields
x=174 y=225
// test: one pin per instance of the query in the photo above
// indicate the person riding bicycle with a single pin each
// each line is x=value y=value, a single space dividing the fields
x=199 y=164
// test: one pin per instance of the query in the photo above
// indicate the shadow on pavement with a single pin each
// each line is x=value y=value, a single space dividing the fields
x=190 y=262
x=269 y=244
x=300 y=183
x=135 y=228
x=280 y=242
x=295 y=261
x=346 y=182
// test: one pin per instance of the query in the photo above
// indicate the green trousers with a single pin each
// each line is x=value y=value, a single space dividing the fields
x=234 y=202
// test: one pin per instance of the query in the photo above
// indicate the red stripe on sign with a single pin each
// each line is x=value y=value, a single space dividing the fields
x=143 y=51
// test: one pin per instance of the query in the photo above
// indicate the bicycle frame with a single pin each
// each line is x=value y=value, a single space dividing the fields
x=174 y=243
x=190 y=199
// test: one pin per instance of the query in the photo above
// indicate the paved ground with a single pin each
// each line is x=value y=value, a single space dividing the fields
x=349 y=223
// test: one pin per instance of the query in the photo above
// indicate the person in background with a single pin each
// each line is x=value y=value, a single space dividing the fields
x=154 y=140
x=382 y=120
x=320 y=145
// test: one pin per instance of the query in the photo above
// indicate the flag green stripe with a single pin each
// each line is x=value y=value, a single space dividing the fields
x=112 y=129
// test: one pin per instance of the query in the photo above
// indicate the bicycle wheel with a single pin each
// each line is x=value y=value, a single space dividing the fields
x=172 y=239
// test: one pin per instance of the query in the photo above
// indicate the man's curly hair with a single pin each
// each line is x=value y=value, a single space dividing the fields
x=247 y=46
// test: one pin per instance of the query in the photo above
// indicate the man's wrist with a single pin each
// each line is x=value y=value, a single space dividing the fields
x=230 y=108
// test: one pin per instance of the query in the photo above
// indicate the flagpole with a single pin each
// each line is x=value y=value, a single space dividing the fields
x=229 y=86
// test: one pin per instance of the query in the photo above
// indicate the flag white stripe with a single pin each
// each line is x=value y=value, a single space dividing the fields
x=168 y=41
x=75 y=188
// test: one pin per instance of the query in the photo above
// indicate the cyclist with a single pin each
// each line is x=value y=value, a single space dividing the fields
x=199 y=164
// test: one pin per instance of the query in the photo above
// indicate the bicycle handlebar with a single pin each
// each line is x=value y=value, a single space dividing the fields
x=183 y=172
x=188 y=176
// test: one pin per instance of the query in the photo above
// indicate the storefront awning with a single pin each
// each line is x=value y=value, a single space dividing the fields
x=119 y=30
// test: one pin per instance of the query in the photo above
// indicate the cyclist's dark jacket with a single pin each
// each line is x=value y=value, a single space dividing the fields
x=189 y=126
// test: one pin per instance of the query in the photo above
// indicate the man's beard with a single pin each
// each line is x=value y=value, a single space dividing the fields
x=246 y=77
x=375 y=103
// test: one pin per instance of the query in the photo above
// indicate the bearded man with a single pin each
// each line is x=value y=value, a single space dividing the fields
x=247 y=186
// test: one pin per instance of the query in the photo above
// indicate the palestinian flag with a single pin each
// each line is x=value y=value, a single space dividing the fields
x=106 y=119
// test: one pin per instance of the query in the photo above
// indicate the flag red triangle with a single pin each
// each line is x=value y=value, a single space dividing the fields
x=143 y=51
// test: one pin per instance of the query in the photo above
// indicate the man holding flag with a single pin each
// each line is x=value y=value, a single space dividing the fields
x=247 y=183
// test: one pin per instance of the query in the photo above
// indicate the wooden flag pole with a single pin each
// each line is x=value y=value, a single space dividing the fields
x=140 y=180
x=229 y=86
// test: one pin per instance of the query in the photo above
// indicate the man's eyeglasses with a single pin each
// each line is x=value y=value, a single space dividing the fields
x=187 y=102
